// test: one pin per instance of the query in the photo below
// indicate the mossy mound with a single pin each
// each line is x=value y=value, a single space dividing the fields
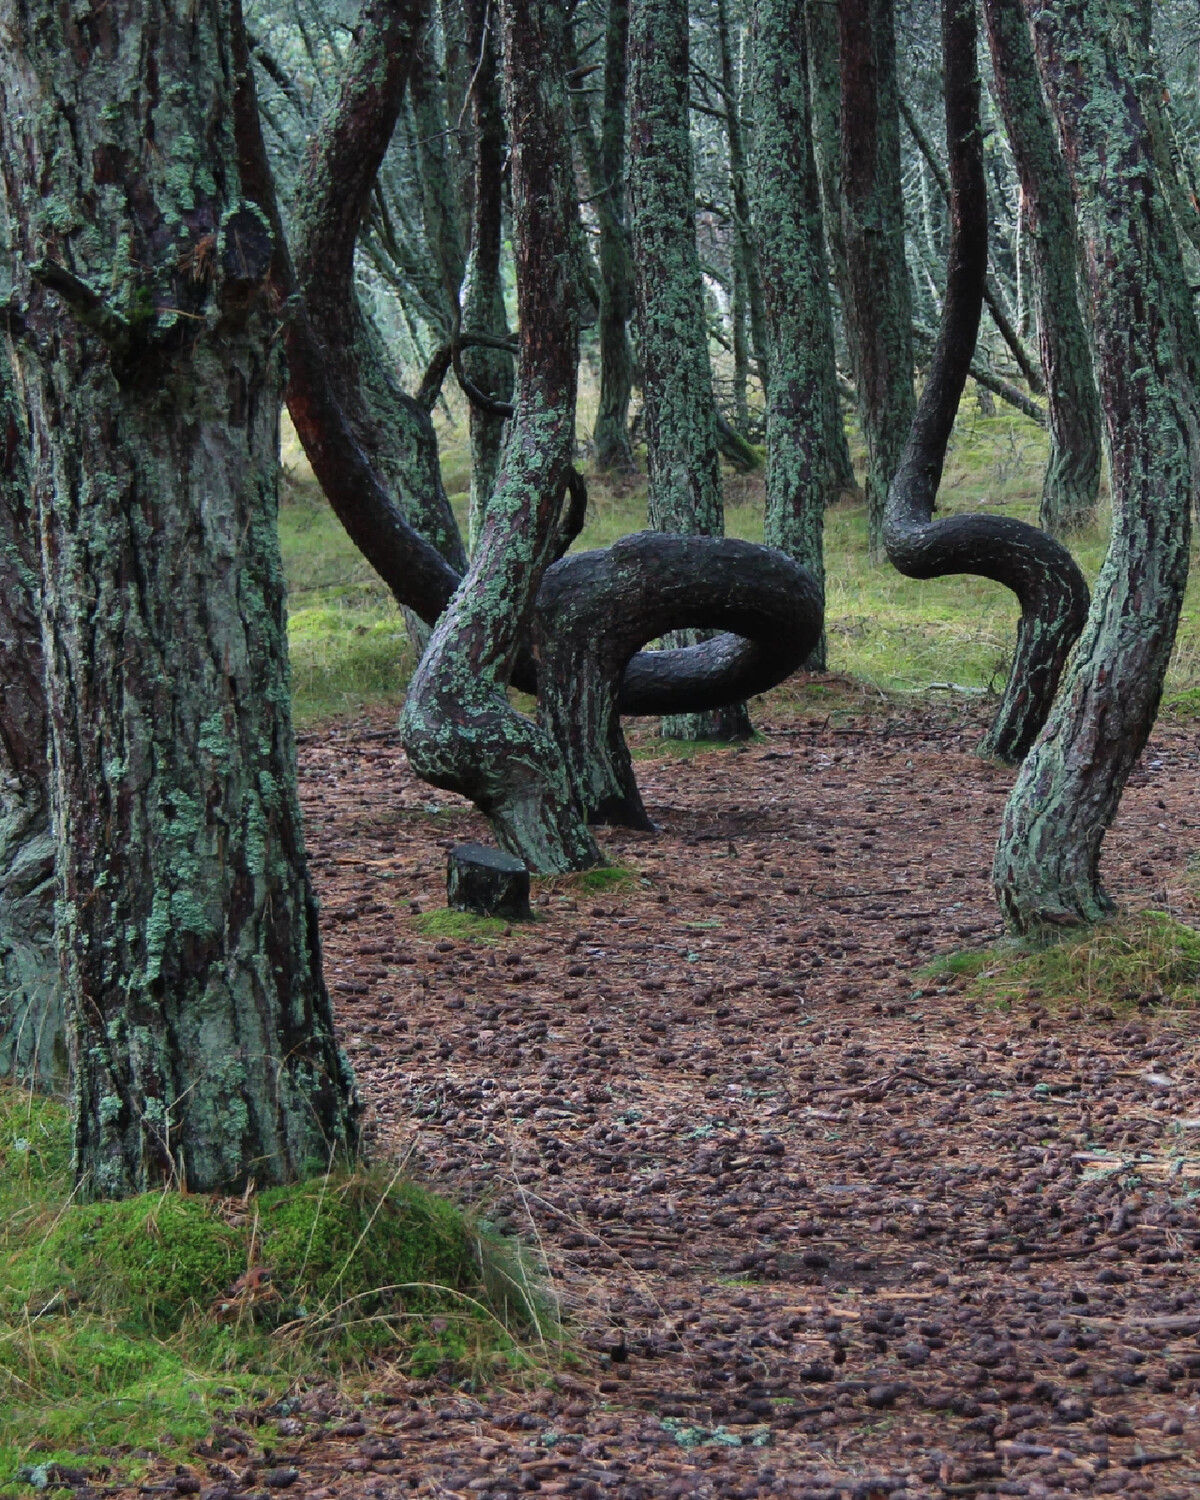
x=120 y=1323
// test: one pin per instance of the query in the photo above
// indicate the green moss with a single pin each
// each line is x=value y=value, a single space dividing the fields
x=1148 y=957
x=125 y=1325
x=459 y=924
x=603 y=878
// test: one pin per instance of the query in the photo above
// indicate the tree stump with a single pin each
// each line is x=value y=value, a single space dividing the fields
x=487 y=882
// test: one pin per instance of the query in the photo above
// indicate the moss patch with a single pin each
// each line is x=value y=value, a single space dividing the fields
x=124 y=1325
x=1148 y=959
x=445 y=923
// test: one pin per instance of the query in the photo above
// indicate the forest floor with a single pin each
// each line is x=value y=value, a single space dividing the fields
x=824 y=1220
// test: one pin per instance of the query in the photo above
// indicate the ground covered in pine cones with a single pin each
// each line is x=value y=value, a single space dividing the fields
x=824 y=1220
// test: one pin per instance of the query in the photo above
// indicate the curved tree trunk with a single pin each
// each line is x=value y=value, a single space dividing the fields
x=483 y=290
x=458 y=728
x=787 y=219
x=1038 y=569
x=1066 y=795
x=202 y=1044
x=879 y=301
x=677 y=392
x=32 y=1035
x=1071 y=488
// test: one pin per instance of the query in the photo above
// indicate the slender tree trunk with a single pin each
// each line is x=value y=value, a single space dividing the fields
x=458 y=728
x=483 y=290
x=32 y=1035
x=1071 y=488
x=1047 y=861
x=879 y=301
x=202 y=1044
x=681 y=436
x=440 y=201
x=786 y=202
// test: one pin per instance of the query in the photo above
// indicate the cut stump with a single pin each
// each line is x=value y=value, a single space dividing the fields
x=488 y=882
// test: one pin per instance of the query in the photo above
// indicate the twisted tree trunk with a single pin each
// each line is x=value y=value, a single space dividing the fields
x=458 y=728
x=201 y=1035
x=32 y=1035
x=878 y=304
x=1071 y=488
x=677 y=392
x=1047 y=867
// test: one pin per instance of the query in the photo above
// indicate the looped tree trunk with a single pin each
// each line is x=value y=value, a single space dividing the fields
x=595 y=609
x=1043 y=575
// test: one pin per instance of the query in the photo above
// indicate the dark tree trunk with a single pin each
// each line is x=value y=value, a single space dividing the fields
x=879 y=302
x=202 y=1043
x=392 y=432
x=490 y=369
x=458 y=728
x=677 y=392
x=1038 y=569
x=787 y=218
x=32 y=1036
x=1071 y=487
x=1066 y=795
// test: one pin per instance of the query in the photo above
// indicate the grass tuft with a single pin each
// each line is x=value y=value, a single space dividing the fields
x=124 y=1325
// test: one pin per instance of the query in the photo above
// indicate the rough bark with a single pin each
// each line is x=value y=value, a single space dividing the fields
x=1047 y=861
x=393 y=433
x=879 y=302
x=786 y=201
x=201 y=1036
x=491 y=369
x=677 y=392
x=32 y=1035
x=595 y=609
x=1049 y=586
x=458 y=728
x=1071 y=488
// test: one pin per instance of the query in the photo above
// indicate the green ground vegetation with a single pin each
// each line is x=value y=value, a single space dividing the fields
x=129 y=1326
x=1138 y=959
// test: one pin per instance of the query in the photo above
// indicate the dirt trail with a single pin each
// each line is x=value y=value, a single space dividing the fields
x=828 y=1229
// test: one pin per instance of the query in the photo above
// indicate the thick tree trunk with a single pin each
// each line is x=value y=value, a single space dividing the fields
x=490 y=369
x=677 y=392
x=1071 y=488
x=879 y=301
x=458 y=728
x=202 y=1041
x=1038 y=569
x=1066 y=795
x=32 y=1035
x=787 y=216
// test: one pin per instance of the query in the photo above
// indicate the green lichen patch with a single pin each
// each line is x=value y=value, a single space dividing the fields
x=125 y=1326
x=1146 y=959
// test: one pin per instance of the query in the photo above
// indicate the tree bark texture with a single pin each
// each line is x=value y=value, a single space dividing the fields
x=202 y=1043
x=32 y=1034
x=879 y=300
x=483 y=312
x=1067 y=792
x=1071 y=488
x=1039 y=570
x=458 y=728
x=677 y=391
x=787 y=217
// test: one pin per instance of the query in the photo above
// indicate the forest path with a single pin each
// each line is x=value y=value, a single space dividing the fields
x=828 y=1227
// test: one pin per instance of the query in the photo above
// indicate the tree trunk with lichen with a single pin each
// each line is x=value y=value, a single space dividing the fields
x=201 y=1034
x=878 y=298
x=483 y=289
x=787 y=217
x=677 y=391
x=1071 y=487
x=32 y=1036
x=1047 y=866
x=458 y=728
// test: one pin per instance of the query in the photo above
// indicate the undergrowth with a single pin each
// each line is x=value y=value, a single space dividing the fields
x=124 y=1325
x=1146 y=958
